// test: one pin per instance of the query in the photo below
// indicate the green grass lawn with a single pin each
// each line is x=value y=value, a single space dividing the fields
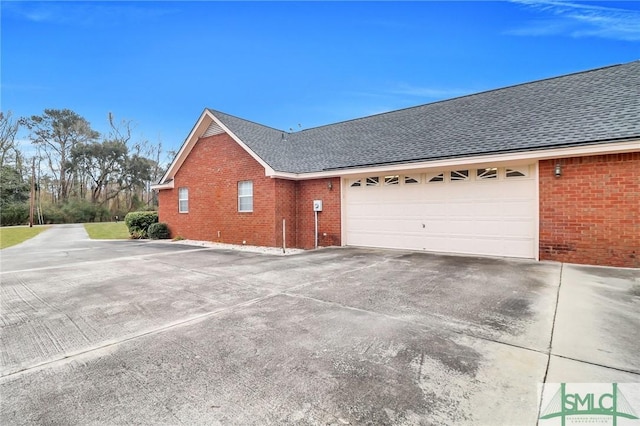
x=12 y=235
x=107 y=231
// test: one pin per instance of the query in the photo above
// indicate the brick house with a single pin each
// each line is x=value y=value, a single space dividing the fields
x=545 y=170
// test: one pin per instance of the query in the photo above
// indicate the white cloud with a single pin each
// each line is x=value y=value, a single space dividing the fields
x=580 y=20
x=428 y=92
x=83 y=14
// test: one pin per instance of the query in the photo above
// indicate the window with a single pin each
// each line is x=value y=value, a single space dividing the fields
x=245 y=196
x=436 y=178
x=487 y=173
x=392 y=180
x=457 y=175
x=356 y=183
x=516 y=172
x=411 y=179
x=183 y=200
x=373 y=181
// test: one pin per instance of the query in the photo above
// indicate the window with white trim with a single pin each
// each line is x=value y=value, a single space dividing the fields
x=487 y=173
x=458 y=175
x=392 y=180
x=183 y=200
x=373 y=181
x=515 y=172
x=439 y=177
x=245 y=196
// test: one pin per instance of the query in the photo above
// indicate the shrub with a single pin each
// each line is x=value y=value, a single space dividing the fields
x=158 y=231
x=137 y=235
x=14 y=214
x=74 y=211
x=83 y=211
x=138 y=223
x=52 y=214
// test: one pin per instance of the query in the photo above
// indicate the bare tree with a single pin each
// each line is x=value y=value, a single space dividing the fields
x=57 y=132
x=8 y=130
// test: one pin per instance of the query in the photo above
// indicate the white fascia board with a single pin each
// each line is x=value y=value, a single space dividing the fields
x=492 y=159
x=160 y=186
x=201 y=126
x=203 y=123
x=267 y=168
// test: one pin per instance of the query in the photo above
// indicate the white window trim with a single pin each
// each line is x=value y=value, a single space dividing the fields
x=372 y=181
x=392 y=180
x=241 y=196
x=406 y=179
x=486 y=173
x=517 y=169
x=436 y=177
x=459 y=177
x=182 y=191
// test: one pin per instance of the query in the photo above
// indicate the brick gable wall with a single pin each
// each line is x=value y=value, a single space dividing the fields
x=591 y=214
x=212 y=171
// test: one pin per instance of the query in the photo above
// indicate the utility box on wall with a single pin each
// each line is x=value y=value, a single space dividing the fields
x=317 y=205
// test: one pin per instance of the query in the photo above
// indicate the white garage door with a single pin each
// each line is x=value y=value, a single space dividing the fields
x=487 y=211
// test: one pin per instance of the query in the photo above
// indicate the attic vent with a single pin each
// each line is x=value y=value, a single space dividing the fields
x=213 y=129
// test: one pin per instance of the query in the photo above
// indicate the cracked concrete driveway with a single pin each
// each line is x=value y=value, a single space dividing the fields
x=112 y=332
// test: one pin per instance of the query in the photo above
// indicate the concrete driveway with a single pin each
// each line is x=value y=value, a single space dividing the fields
x=112 y=332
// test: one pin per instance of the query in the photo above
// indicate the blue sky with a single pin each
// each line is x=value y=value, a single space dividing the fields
x=290 y=64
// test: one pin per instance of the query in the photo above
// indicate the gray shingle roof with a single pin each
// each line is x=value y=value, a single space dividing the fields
x=578 y=109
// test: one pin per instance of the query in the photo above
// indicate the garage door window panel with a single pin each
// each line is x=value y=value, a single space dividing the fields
x=516 y=172
x=356 y=183
x=487 y=173
x=410 y=180
x=434 y=178
x=459 y=175
x=373 y=181
x=392 y=180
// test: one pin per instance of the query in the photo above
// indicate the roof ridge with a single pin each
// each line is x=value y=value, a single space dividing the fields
x=214 y=111
x=467 y=96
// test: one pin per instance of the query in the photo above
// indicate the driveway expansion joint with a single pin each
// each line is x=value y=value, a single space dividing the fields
x=109 y=344
x=595 y=364
x=419 y=324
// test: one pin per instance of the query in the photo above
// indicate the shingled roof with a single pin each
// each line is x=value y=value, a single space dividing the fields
x=590 y=107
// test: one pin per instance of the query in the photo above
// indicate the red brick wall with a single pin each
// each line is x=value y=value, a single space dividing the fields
x=285 y=208
x=591 y=214
x=328 y=218
x=211 y=173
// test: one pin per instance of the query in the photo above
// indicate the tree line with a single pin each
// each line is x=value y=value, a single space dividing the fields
x=78 y=174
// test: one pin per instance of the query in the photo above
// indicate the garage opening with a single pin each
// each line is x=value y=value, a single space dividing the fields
x=484 y=211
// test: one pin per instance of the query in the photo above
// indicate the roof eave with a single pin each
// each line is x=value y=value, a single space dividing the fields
x=602 y=148
x=205 y=120
x=161 y=186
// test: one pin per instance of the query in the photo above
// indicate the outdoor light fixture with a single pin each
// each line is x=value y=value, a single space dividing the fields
x=330 y=185
x=558 y=170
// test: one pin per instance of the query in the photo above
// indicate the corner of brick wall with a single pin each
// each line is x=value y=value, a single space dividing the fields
x=329 y=219
x=211 y=172
x=591 y=214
